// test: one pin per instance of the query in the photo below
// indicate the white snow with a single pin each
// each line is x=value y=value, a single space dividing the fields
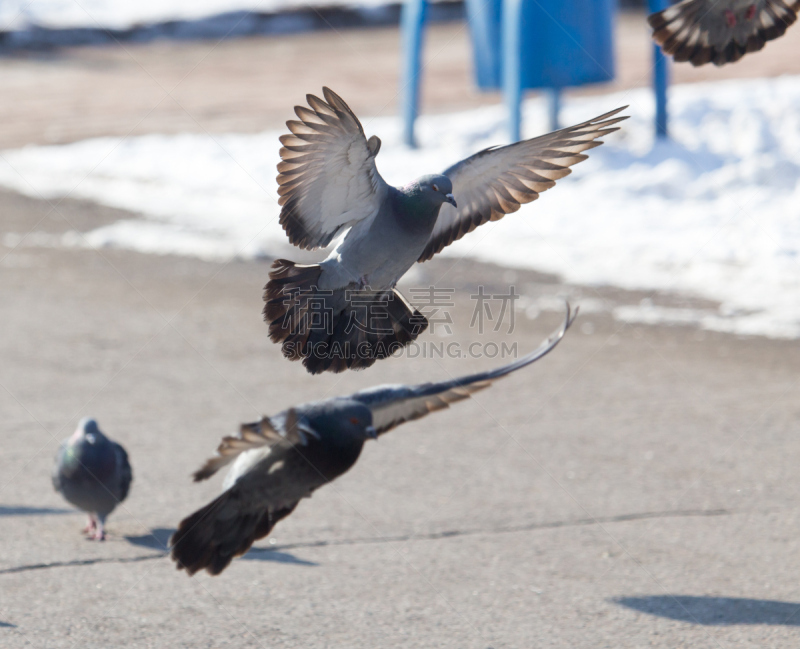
x=123 y=14
x=714 y=213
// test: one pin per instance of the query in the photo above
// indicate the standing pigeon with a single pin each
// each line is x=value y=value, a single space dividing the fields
x=92 y=473
x=345 y=312
x=720 y=31
x=281 y=459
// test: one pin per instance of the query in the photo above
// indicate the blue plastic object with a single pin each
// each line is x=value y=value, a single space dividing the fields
x=512 y=70
x=545 y=44
x=562 y=43
x=660 y=77
x=412 y=20
x=550 y=44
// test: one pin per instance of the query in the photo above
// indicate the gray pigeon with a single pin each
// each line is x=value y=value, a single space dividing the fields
x=281 y=459
x=345 y=312
x=93 y=473
x=720 y=31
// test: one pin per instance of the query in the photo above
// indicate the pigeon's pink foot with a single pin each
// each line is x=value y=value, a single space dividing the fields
x=730 y=17
x=363 y=282
x=100 y=532
x=91 y=526
x=751 y=12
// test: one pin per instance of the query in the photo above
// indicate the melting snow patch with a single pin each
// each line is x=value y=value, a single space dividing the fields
x=713 y=213
x=124 y=14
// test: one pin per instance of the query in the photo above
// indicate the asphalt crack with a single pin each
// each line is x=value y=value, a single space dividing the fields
x=80 y=562
x=508 y=529
x=399 y=538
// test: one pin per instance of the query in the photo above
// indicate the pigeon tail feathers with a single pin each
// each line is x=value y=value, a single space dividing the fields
x=211 y=537
x=335 y=330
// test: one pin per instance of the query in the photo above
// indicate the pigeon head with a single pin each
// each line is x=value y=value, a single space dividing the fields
x=87 y=431
x=437 y=189
x=87 y=446
x=88 y=425
x=349 y=420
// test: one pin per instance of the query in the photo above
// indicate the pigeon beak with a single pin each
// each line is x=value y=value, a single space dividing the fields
x=449 y=199
x=371 y=432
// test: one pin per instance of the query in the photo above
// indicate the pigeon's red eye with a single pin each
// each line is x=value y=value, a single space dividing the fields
x=435 y=188
x=354 y=420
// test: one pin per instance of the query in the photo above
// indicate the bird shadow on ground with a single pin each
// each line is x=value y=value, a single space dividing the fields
x=260 y=554
x=158 y=539
x=715 y=611
x=155 y=539
x=7 y=625
x=21 y=510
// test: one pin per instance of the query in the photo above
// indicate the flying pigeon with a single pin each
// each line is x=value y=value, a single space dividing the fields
x=281 y=459
x=720 y=31
x=345 y=312
x=93 y=473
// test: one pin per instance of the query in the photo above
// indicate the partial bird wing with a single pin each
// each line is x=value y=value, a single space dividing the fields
x=720 y=31
x=497 y=180
x=123 y=471
x=327 y=175
x=56 y=473
x=394 y=404
x=267 y=432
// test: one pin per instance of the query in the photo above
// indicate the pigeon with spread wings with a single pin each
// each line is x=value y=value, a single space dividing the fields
x=282 y=459
x=720 y=31
x=345 y=312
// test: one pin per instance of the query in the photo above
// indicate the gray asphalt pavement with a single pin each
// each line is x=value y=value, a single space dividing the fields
x=636 y=488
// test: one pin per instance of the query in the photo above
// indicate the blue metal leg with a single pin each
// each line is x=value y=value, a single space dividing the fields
x=412 y=23
x=660 y=78
x=512 y=72
x=554 y=107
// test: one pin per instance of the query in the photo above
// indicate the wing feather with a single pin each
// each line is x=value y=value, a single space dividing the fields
x=498 y=180
x=327 y=178
x=720 y=31
x=393 y=405
x=266 y=432
x=123 y=471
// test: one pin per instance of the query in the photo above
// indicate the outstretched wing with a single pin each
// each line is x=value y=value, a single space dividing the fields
x=497 y=180
x=327 y=175
x=720 y=31
x=267 y=432
x=392 y=405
